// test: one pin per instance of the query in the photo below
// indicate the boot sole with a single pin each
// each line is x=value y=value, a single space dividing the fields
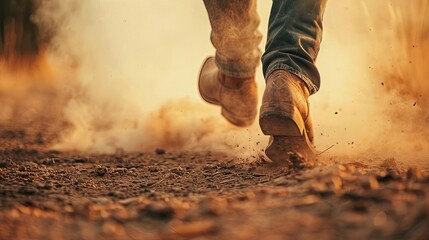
x=240 y=121
x=288 y=135
x=237 y=120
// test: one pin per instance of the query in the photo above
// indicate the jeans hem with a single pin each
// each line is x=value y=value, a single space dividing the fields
x=237 y=68
x=312 y=88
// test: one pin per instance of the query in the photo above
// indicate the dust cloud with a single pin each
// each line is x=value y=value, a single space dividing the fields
x=373 y=101
x=123 y=74
x=122 y=85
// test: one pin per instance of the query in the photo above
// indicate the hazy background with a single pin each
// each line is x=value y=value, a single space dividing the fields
x=129 y=70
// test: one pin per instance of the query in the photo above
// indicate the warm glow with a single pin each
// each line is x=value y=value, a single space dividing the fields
x=117 y=75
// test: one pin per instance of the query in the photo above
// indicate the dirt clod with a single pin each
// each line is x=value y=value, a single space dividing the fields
x=160 y=151
x=157 y=211
x=193 y=229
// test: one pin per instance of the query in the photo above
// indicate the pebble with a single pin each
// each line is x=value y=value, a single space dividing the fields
x=27 y=190
x=3 y=164
x=158 y=211
x=31 y=165
x=81 y=160
x=101 y=171
x=415 y=174
x=160 y=151
x=178 y=170
x=102 y=200
x=193 y=229
x=48 y=161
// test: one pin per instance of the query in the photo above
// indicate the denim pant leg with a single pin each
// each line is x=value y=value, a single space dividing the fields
x=235 y=36
x=293 y=42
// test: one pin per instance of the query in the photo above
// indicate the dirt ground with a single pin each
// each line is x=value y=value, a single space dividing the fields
x=47 y=194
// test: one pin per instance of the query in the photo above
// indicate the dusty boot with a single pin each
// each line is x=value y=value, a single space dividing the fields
x=285 y=115
x=236 y=96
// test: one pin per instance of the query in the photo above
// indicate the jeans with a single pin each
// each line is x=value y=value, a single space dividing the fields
x=293 y=41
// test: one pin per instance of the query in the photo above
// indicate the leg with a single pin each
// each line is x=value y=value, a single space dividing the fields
x=228 y=80
x=294 y=36
x=235 y=36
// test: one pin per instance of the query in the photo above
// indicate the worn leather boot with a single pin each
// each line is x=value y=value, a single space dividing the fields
x=285 y=116
x=237 y=97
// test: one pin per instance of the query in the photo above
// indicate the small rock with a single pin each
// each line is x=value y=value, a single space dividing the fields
x=100 y=171
x=154 y=169
x=337 y=183
x=212 y=207
x=81 y=160
x=371 y=183
x=178 y=170
x=3 y=165
x=55 y=152
x=176 y=190
x=112 y=228
x=160 y=151
x=193 y=229
x=48 y=161
x=121 y=170
x=415 y=174
x=157 y=211
x=119 y=159
x=307 y=201
x=102 y=200
x=281 y=180
x=48 y=186
x=27 y=191
x=297 y=160
x=50 y=206
x=24 y=174
x=115 y=194
x=387 y=177
x=39 y=185
x=129 y=201
x=209 y=167
x=359 y=207
x=170 y=176
x=31 y=165
x=380 y=219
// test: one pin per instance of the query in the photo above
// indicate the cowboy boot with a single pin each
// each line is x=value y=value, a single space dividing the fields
x=237 y=97
x=285 y=116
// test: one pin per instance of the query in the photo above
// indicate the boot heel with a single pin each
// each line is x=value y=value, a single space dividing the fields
x=287 y=130
x=282 y=123
x=280 y=146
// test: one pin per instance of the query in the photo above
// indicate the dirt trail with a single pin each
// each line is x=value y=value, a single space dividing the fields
x=203 y=195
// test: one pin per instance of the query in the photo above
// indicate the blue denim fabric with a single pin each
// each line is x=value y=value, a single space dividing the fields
x=294 y=37
x=293 y=42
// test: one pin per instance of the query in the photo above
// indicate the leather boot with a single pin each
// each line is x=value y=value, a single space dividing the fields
x=237 y=97
x=285 y=116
